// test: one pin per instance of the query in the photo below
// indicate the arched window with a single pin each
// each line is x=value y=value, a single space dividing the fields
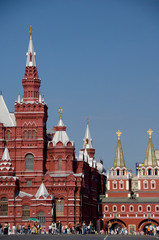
x=25 y=212
x=123 y=208
x=8 y=134
x=143 y=171
x=153 y=184
x=121 y=185
x=156 y=171
x=149 y=171
x=140 y=208
x=33 y=134
x=123 y=172
x=148 y=208
x=106 y=208
x=3 y=206
x=29 y=162
x=145 y=184
x=41 y=217
x=131 y=208
x=114 y=185
x=114 y=208
x=60 y=164
x=29 y=134
x=117 y=172
x=59 y=207
x=157 y=208
x=25 y=134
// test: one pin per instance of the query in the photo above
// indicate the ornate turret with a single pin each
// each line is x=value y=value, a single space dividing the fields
x=150 y=157
x=60 y=134
x=88 y=142
x=6 y=168
x=31 y=81
x=119 y=157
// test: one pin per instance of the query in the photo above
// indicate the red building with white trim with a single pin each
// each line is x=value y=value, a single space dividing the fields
x=40 y=176
x=132 y=201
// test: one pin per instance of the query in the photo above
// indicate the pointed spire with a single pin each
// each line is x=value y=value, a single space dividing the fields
x=119 y=157
x=87 y=139
x=150 y=157
x=42 y=191
x=31 y=54
x=31 y=81
x=6 y=155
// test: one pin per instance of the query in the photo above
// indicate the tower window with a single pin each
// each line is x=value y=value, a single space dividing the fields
x=34 y=134
x=153 y=184
x=29 y=108
x=60 y=164
x=25 y=134
x=8 y=134
x=114 y=185
x=156 y=171
x=28 y=93
x=117 y=172
x=29 y=162
x=149 y=171
x=29 y=134
x=145 y=185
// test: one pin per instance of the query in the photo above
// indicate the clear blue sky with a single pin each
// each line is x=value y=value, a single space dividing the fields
x=96 y=58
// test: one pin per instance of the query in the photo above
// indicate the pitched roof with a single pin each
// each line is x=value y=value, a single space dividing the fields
x=31 y=55
x=7 y=118
x=87 y=139
x=42 y=191
x=6 y=155
x=119 y=157
x=60 y=134
x=150 y=157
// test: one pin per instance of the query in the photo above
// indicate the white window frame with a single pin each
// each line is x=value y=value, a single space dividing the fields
x=122 y=207
x=153 y=182
x=148 y=206
x=156 y=208
x=145 y=182
x=105 y=208
x=130 y=208
x=141 y=208
x=121 y=182
x=114 y=206
x=114 y=182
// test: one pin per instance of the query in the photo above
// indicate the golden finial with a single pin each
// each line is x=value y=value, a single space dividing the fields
x=85 y=143
x=30 y=32
x=60 y=112
x=150 y=132
x=87 y=121
x=118 y=133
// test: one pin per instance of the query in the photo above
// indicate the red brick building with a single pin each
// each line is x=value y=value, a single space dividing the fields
x=40 y=176
x=132 y=201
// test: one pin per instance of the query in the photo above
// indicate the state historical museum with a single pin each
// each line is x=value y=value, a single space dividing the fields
x=40 y=176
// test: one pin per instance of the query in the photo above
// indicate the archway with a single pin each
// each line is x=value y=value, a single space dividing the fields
x=116 y=224
x=145 y=223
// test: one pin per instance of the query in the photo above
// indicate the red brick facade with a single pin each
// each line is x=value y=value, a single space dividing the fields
x=39 y=174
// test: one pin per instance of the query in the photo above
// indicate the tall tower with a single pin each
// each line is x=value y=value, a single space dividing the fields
x=118 y=184
x=31 y=117
x=88 y=142
x=148 y=174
